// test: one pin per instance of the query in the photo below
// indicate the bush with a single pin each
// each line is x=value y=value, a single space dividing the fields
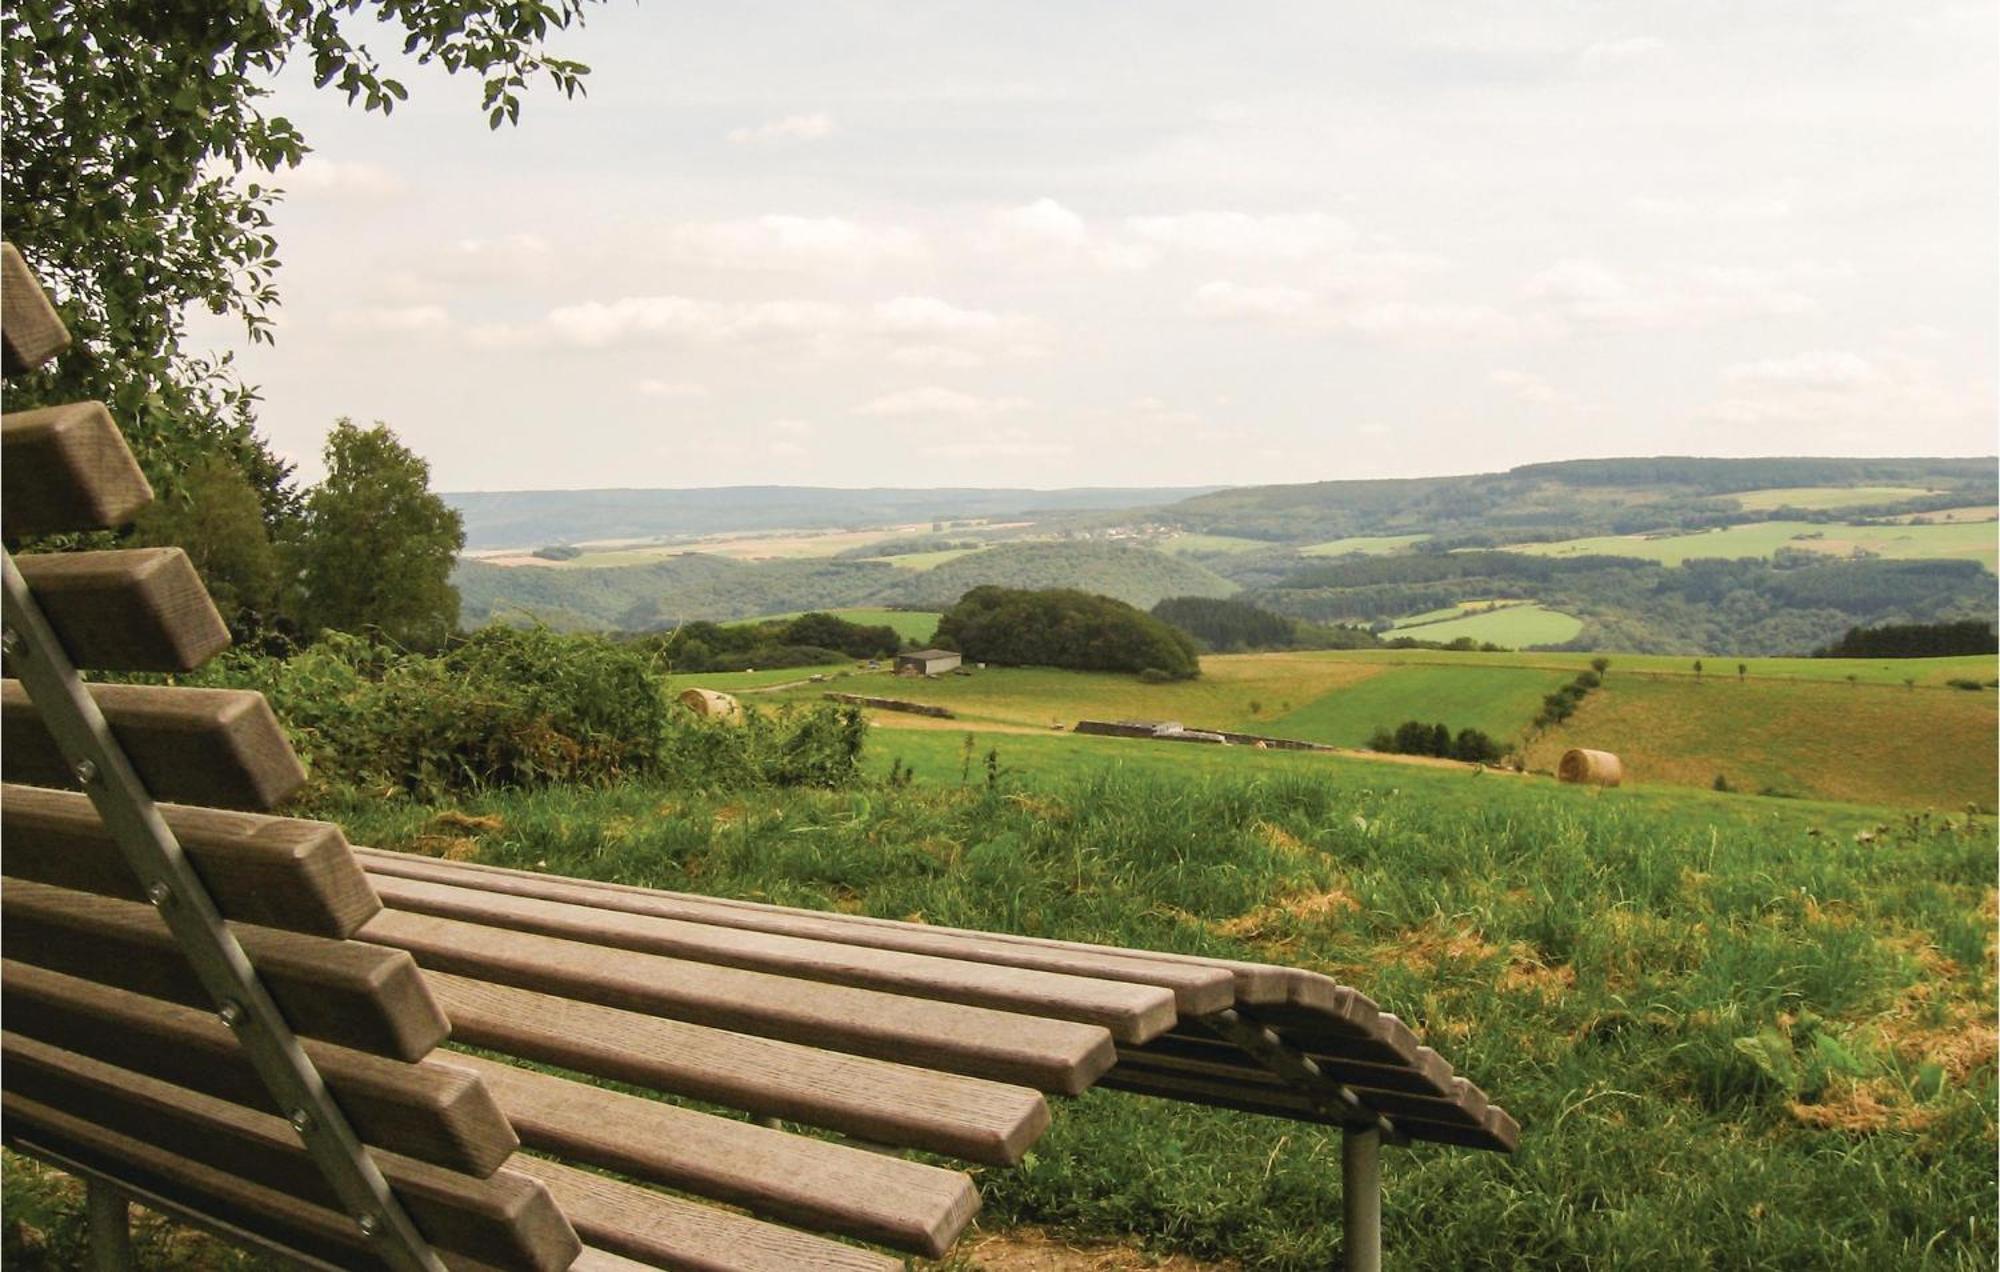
x=1059 y=627
x=513 y=707
x=1959 y=682
x=1414 y=737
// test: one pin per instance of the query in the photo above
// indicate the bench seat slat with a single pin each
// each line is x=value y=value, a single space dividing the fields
x=219 y=747
x=813 y=1183
x=1051 y=1055
x=1428 y=1074
x=65 y=468
x=671 y=1232
x=1465 y=1104
x=872 y=1100
x=1132 y=1013
x=135 y=609
x=1198 y=989
x=506 y=1220
x=30 y=331
x=348 y=992
x=433 y=1111
x=276 y=872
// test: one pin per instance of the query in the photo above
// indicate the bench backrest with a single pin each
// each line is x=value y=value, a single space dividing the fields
x=126 y=1053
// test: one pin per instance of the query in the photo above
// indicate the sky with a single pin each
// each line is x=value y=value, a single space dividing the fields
x=1060 y=244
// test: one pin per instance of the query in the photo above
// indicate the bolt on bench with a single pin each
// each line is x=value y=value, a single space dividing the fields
x=238 y=1019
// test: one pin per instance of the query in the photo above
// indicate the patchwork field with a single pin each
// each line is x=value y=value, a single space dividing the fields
x=1797 y=726
x=1512 y=626
x=1968 y=541
x=1818 y=497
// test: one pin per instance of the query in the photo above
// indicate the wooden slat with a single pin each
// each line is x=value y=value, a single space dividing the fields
x=507 y=1220
x=1132 y=1013
x=272 y=871
x=433 y=1111
x=219 y=747
x=872 y=1100
x=1198 y=988
x=69 y=1141
x=654 y=1227
x=137 y=609
x=1429 y=1074
x=809 y=1182
x=1464 y=1105
x=30 y=331
x=1050 y=1055
x=348 y=992
x=66 y=468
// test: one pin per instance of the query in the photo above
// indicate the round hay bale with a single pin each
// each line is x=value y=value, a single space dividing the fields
x=710 y=705
x=1592 y=768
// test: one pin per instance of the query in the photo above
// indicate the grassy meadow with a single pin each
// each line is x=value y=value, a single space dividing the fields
x=1741 y=1033
x=1367 y=545
x=1514 y=626
x=1972 y=541
x=1817 y=498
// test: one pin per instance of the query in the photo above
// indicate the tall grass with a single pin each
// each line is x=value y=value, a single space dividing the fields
x=1736 y=1033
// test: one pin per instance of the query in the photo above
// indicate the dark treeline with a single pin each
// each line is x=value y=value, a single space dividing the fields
x=1224 y=625
x=1060 y=627
x=806 y=641
x=1414 y=737
x=1914 y=640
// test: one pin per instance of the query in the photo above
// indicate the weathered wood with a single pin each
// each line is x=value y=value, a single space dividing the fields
x=1198 y=987
x=506 y=1220
x=1463 y=1105
x=139 y=609
x=30 y=331
x=1132 y=1013
x=276 y=872
x=432 y=1111
x=66 y=468
x=872 y=1100
x=1427 y=1074
x=653 y=1227
x=220 y=747
x=811 y=1183
x=1050 y=1055
x=348 y=992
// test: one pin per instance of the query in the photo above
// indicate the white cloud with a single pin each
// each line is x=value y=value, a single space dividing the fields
x=790 y=242
x=1610 y=55
x=935 y=400
x=1590 y=291
x=341 y=180
x=1532 y=389
x=1235 y=301
x=671 y=389
x=1044 y=221
x=790 y=129
x=1428 y=322
x=1395 y=320
x=1816 y=369
x=1723 y=210
x=1848 y=398
x=392 y=320
x=1286 y=237
x=1005 y=443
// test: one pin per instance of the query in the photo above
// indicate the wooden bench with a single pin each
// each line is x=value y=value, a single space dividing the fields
x=243 y=1021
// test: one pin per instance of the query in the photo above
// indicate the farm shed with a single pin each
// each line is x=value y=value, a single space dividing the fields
x=927 y=662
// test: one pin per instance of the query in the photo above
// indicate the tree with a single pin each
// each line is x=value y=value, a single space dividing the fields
x=217 y=519
x=378 y=547
x=1697 y=669
x=1742 y=670
x=138 y=183
x=1600 y=665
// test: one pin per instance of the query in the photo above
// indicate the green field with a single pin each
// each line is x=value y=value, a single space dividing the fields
x=1970 y=541
x=914 y=625
x=1814 y=498
x=1753 y=1033
x=1364 y=544
x=1513 y=626
x=926 y=560
x=1211 y=543
x=1496 y=700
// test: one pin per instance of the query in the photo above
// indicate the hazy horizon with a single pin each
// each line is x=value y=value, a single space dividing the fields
x=1049 y=247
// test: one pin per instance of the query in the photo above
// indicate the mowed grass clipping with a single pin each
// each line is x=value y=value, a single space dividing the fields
x=1514 y=626
x=1736 y=1032
x=1863 y=743
x=1968 y=541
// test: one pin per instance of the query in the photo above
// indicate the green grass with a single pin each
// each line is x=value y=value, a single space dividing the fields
x=1514 y=626
x=927 y=560
x=1737 y=1032
x=1497 y=700
x=1969 y=541
x=1371 y=545
x=1212 y=543
x=1814 y=498
x=916 y=625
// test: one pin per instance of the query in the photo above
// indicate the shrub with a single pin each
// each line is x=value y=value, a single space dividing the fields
x=1960 y=682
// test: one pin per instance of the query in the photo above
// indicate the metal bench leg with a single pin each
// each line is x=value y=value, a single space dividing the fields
x=110 y=1229
x=1361 y=1199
